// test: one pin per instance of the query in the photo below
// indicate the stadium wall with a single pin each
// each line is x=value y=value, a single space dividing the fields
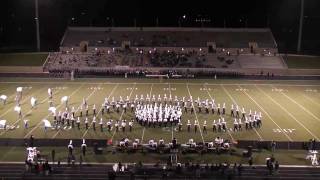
x=20 y=69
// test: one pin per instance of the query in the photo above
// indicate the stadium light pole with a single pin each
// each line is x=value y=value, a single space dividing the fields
x=37 y=24
x=300 y=26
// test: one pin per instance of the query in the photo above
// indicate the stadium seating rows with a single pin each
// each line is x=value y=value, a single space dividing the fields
x=106 y=37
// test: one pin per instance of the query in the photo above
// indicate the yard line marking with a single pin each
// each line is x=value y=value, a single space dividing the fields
x=9 y=97
x=49 y=113
x=212 y=100
x=310 y=99
x=287 y=113
x=267 y=114
x=24 y=99
x=28 y=113
x=114 y=132
x=306 y=110
x=225 y=90
x=195 y=113
x=54 y=136
x=114 y=88
x=144 y=128
x=171 y=126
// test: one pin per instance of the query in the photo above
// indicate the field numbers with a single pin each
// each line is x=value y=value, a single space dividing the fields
x=60 y=87
x=169 y=89
x=205 y=89
x=27 y=87
x=95 y=88
x=311 y=90
x=169 y=129
x=131 y=89
x=279 y=90
x=242 y=89
x=283 y=130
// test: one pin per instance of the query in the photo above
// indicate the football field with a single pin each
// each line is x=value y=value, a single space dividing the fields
x=290 y=109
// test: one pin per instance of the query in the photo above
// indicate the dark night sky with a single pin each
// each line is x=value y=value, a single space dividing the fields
x=17 y=24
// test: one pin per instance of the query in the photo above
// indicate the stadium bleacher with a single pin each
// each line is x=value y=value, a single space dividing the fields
x=168 y=37
x=212 y=49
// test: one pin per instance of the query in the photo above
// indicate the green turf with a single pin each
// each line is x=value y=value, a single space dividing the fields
x=290 y=109
x=23 y=59
x=303 y=62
